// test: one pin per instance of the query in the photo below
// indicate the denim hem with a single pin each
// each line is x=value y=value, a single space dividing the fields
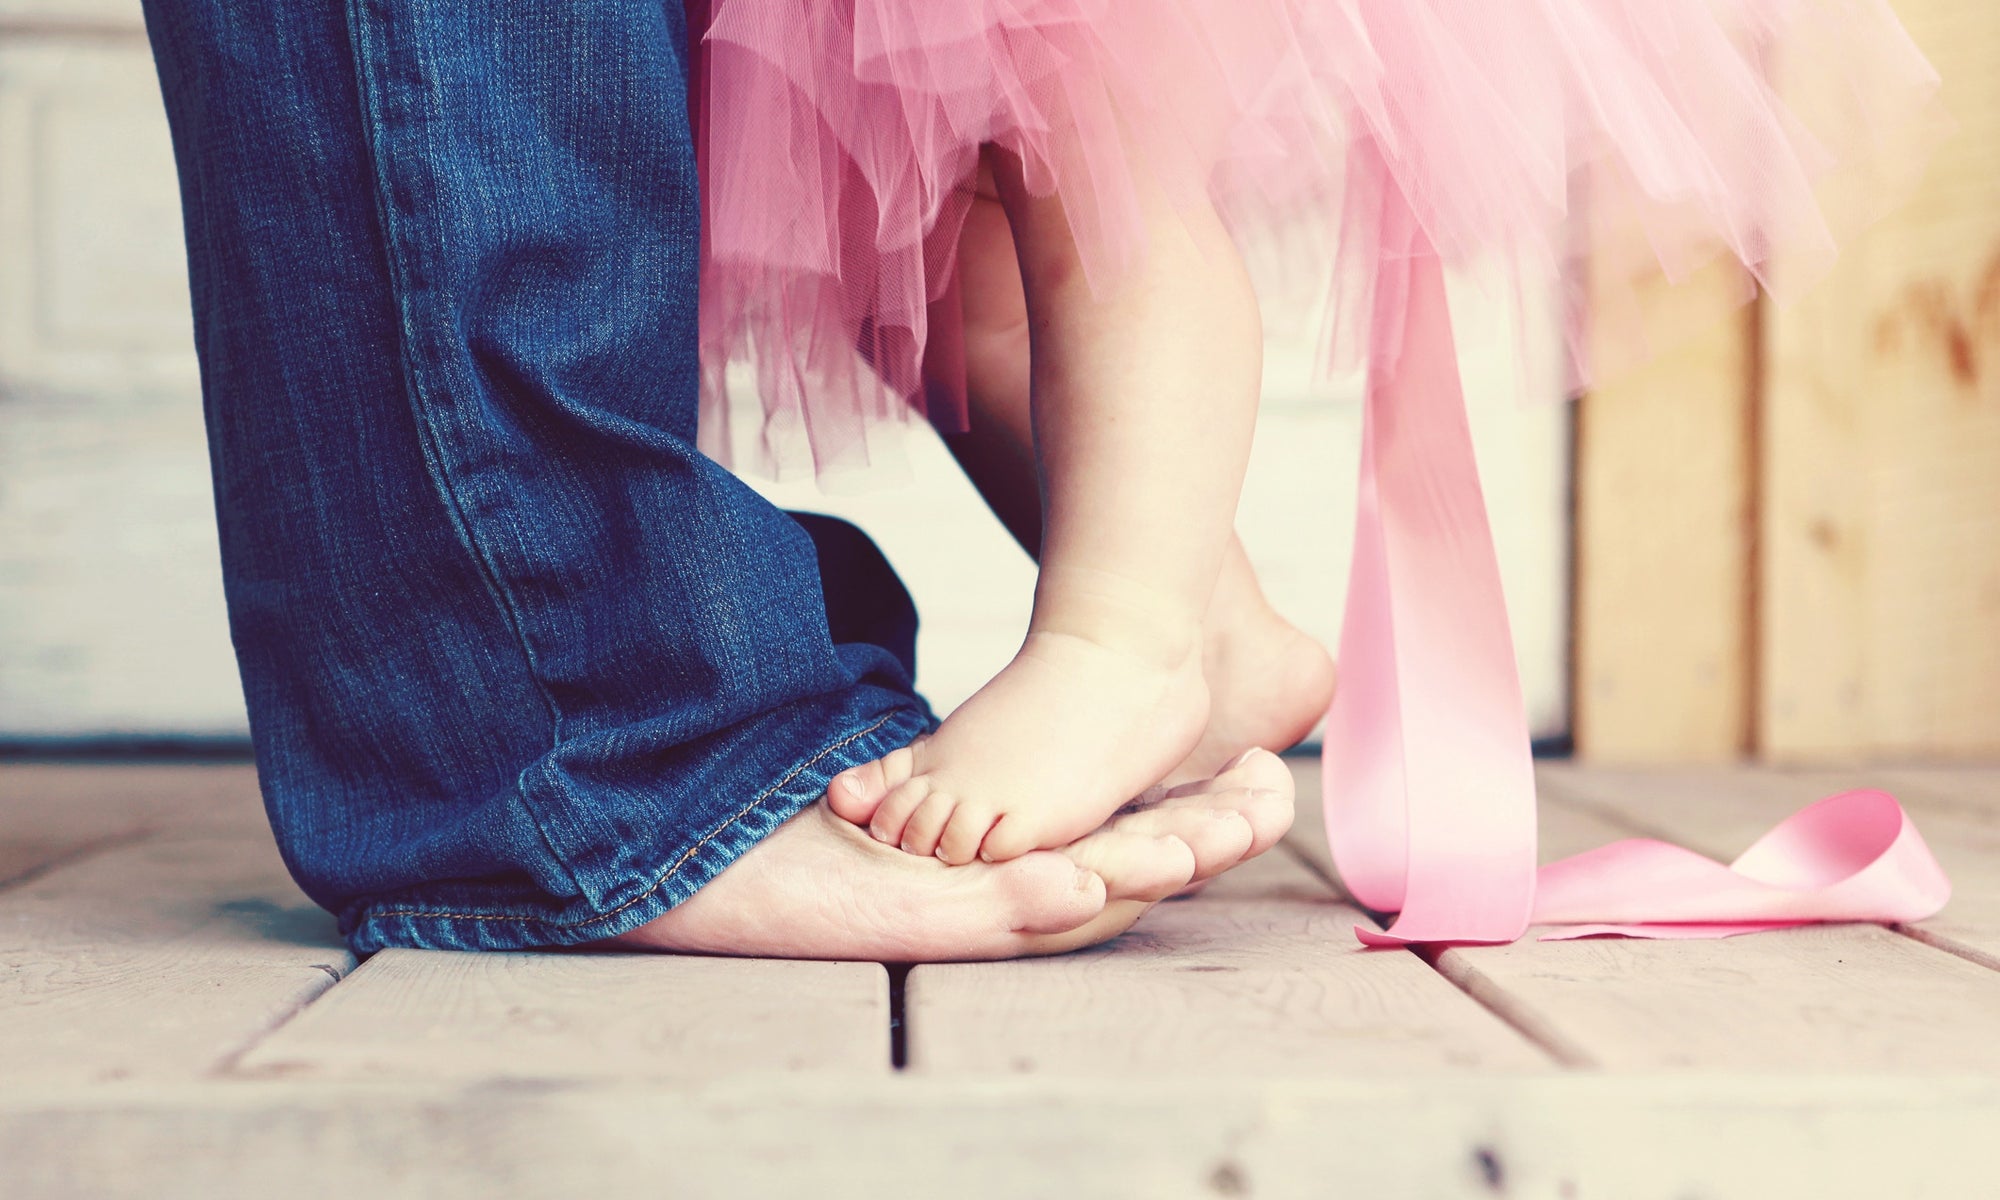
x=690 y=867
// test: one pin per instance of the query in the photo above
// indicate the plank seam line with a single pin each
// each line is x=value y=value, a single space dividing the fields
x=1950 y=945
x=228 y=1066
x=1529 y=1029
x=1321 y=873
x=116 y=841
x=1486 y=994
x=899 y=1015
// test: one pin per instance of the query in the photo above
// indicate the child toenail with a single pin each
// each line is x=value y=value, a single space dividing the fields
x=1084 y=880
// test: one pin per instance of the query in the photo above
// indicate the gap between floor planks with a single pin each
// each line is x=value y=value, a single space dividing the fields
x=1261 y=975
x=1859 y=997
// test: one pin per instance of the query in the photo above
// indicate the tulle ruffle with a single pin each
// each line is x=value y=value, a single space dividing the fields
x=838 y=142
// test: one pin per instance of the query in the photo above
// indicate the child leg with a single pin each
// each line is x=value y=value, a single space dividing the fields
x=1269 y=682
x=1143 y=402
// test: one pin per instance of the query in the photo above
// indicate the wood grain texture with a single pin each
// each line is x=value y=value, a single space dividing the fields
x=59 y=813
x=1724 y=1137
x=157 y=959
x=433 y=1015
x=1260 y=976
x=1880 y=598
x=1663 y=526
x=1832 y=997
x=53 y=812
x=1839 y=997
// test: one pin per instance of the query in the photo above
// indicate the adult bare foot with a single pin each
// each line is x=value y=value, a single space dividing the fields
x=821 y=888
x=1251 y=796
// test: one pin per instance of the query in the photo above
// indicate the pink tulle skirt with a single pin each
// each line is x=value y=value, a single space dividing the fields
x=839 y=142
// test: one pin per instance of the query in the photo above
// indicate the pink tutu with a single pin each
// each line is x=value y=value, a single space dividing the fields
x=839 y=140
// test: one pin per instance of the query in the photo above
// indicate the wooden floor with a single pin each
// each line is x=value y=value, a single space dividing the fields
x=176 y=1019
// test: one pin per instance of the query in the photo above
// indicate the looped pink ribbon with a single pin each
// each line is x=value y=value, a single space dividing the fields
x=1429 y=790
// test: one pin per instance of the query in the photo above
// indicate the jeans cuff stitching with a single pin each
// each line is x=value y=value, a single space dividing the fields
x=662 y=881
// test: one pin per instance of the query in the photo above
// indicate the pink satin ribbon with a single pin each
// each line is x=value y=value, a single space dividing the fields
x=1429 y=790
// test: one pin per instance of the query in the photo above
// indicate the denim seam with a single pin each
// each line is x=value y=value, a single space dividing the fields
x=369 y=90
x=672 y=871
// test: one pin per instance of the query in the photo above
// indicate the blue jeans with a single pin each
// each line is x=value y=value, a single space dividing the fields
x=523 y=667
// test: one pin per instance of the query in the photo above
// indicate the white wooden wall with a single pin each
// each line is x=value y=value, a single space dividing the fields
x=110 y=600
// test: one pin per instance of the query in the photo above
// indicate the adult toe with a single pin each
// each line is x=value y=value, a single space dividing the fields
x=1135 y=866
x=1046 y=893
x=1219 y=838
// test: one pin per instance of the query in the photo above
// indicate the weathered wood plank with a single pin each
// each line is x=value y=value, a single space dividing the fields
x=434 y=1016
x=52 y=812
x=1586 y=1135
x=1838 y=997
x=1830 y=997
x=1261 y=975
x=158 y=959
x=1972 y=792
x=1721 y=812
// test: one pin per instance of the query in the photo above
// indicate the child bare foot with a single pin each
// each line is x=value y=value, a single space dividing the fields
x=1085 y=718
x=1269 y=682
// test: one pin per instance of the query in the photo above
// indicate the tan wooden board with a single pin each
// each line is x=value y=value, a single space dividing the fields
x=1880 y=586
x=433 y=1015
x=156 y=959
x=1586 y=1136
x=1664 y=561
